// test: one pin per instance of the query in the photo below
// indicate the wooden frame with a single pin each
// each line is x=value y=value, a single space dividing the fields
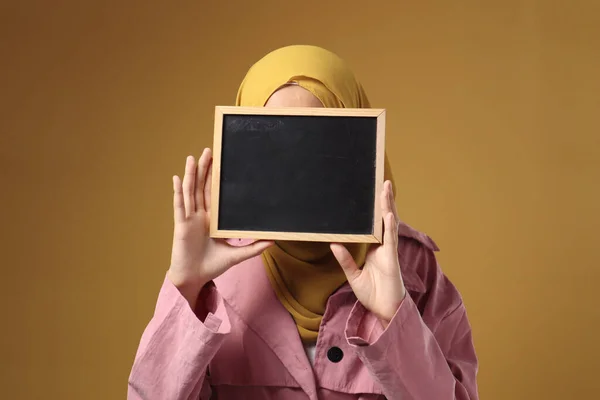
x=375 y=237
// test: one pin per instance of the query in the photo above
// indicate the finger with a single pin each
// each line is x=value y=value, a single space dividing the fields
x=208 y=188
x=178 y=206
x=385 y=200
x=188 y=185
x=203 y=164
x=346 y=261
x=392 y=201
x=243 y=253
x=390 y=235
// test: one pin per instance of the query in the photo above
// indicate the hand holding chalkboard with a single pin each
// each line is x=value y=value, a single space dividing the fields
x=196 y=257
x=378 y=283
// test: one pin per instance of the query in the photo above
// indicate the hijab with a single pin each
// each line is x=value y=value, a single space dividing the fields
x=304 y=274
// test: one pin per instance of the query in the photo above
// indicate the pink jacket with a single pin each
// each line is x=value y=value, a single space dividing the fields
x=242 y=344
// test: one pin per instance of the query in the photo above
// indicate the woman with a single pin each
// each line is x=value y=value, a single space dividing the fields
x=300 y=320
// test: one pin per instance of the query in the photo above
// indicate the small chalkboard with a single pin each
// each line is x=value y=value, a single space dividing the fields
x=307 y=174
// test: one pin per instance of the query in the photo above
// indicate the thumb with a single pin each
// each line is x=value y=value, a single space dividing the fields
x=346 y=261
x=244 y=253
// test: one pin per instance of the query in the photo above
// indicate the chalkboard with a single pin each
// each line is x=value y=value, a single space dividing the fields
x=308 y=174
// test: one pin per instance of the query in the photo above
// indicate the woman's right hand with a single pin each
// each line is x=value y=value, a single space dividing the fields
x=197 y=258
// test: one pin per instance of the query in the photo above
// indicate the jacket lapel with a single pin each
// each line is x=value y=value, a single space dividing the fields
x=247 y=290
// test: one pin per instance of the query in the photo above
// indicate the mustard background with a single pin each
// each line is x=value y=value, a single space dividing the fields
x=492 y=128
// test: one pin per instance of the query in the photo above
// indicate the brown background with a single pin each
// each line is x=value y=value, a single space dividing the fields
x=493 y=133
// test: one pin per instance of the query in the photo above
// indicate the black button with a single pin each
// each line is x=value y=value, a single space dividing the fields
x=335 y=354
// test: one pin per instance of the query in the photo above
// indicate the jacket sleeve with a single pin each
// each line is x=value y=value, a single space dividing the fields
x=422 y=354
x=177 y=346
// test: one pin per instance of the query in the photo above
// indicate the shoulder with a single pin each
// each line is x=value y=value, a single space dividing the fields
x=422 y=274
x=408 y=234
x=416 y=253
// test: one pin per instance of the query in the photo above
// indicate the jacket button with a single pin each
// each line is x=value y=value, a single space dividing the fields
x=335 y=354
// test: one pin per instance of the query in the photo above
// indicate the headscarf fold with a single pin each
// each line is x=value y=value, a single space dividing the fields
x=304 y=274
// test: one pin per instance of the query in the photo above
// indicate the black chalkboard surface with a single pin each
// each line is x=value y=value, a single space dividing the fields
x=310 y=174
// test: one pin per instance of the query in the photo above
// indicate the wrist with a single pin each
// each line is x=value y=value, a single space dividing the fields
x=386 y=319
x=190 y=290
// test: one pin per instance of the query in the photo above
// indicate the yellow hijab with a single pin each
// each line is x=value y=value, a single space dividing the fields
x=305 y=274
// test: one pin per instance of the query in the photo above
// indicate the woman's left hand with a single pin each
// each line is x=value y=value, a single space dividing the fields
x=378 y=285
